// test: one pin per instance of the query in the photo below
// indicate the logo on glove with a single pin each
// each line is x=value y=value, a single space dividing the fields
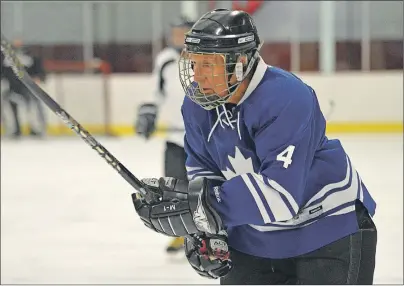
x=200 y=218
x=218 y=245
x=169 y=208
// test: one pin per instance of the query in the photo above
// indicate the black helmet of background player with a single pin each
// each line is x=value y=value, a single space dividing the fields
x=178 y=31
x=221 y=50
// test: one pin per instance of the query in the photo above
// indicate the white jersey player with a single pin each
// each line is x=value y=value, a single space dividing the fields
x=168 y=98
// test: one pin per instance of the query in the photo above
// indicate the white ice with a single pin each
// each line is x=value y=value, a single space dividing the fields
x=67 y=217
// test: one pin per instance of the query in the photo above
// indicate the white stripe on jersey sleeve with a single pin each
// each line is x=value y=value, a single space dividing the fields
x=190 y=169
x=201 y=172
x=288 y=196
x=361 y=189
x=198 y=175
x=332 y=186
x=328 y=204
x=258 y=201
x=274 y=200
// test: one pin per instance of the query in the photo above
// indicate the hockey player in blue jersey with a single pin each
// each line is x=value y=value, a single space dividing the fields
x=270 y=199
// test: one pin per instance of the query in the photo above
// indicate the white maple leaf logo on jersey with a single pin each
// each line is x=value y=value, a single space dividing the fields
x=240 y=164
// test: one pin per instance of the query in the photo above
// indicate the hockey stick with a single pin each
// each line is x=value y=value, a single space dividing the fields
x=331 y=103
x=37 y=91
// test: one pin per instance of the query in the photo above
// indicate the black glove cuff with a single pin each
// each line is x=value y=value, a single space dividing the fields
x=204 y=215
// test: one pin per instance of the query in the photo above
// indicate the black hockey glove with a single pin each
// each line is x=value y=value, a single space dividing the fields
x=146 y=121
x=179 y=208
x=208 y=255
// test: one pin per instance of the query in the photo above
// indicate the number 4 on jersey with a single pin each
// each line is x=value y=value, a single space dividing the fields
x=286 y=156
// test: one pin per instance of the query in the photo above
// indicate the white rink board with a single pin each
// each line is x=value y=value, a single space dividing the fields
x=82 y=97
x=67 y=217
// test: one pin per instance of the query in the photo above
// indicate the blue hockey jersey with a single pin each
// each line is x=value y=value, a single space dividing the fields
x=287 y=189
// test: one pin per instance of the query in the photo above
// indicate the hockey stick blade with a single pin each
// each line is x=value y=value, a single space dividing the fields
x=37 y=91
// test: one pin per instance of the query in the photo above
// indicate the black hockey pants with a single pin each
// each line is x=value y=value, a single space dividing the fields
x=350 y=260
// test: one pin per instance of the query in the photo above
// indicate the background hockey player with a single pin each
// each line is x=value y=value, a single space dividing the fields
x=18 y=97
x=169 y=96
x=271 y=200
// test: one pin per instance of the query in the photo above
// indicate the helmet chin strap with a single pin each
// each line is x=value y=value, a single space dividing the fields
x=240 y=76
x=238 y=70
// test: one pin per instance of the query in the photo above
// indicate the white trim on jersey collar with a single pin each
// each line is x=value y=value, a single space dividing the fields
x=255 y=80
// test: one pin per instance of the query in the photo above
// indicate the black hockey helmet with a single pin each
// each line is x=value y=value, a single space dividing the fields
x=231 y=34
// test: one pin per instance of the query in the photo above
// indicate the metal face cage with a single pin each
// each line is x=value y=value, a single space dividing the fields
x=210 y=83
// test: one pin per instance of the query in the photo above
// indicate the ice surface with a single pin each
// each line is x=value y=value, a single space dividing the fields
x=67 y=217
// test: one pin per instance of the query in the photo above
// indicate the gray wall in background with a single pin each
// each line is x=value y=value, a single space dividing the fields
x=279 y=20
x=60 y=22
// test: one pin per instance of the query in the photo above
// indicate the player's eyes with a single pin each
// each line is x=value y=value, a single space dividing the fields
x=202 y=65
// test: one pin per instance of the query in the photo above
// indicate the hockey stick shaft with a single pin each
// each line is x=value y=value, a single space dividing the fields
x=37 y=91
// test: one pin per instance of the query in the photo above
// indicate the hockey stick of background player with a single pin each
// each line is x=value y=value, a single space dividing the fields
x=37 y=91
x=331 y=103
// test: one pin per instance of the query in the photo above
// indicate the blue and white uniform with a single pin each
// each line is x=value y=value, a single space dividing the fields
x=287 y=189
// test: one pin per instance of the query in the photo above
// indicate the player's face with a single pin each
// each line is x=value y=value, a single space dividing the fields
x=210 y=73
x=206 y=80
